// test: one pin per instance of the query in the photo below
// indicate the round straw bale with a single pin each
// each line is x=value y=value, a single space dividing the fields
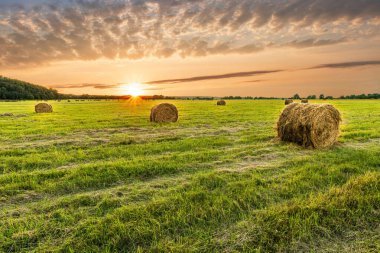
x=43 y=108
x=304 y=101
x=164 y=113
x=221 y=102
x=288 y=101
x=309 y=125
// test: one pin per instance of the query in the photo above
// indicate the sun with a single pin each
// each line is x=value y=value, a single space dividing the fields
x=133 y=89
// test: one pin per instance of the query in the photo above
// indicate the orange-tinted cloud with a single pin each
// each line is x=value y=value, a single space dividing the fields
x=346 y=64
x=213 y=77
x=36 y=33
x=255 y=73
x=85 y=85
x=98 y=86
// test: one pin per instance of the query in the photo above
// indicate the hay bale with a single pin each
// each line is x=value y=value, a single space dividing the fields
x=164 y=113
x=221 y=102
x=43 y=108
x=304 y=101
x=7 y=114
x=309 y=125
x=288 y=101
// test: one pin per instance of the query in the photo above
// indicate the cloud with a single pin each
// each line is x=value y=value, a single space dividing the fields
x=100 y=86
x=263 y=72
x=314 y=42
x=39 y=32
x=213 y=77
x=85 y=85
x=346 y=64
x=254 y=81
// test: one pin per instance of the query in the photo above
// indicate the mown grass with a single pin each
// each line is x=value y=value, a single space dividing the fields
x=99 y=177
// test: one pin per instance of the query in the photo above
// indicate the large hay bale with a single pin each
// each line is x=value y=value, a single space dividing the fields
x=288 y=101
x=164 y=113
x=304 y=101
x=221 y=102
x=43 y=108
x=309 y=125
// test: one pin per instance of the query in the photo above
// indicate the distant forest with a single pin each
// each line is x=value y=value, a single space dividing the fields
x=322 y=96
x=12 y=89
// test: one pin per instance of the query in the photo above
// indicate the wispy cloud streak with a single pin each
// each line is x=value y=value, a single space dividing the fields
x=85 y=85
x=255 y=73
x=213 y=77
x=346 y=64
x=100 y=86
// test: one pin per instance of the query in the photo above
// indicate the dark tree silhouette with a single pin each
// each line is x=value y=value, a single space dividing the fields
x=15 y=89
x=296 y=96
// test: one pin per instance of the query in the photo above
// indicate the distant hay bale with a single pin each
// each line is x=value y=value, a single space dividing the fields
x=43 y=108
x=288 y=101
x=304 y=101
x=221 y=102
x=309 y=125
x=7 y=114
x=164 y=113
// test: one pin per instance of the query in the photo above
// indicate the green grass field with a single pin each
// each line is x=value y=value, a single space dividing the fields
x=99 y=177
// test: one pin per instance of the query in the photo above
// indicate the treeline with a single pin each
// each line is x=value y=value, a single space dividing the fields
x=362 y=96
x=322 y=96
x=13 y=89
x=296 y=96
x=248 y=97
x=154 y=97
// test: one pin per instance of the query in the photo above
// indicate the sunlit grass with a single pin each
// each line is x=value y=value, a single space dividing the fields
x=99 y=177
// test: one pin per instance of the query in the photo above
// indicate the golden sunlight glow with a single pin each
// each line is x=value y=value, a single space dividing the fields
x=133 y=89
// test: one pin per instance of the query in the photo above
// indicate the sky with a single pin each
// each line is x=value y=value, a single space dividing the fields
x=194 y=47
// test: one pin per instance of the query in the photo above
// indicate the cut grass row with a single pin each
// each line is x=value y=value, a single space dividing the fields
x=282 y=204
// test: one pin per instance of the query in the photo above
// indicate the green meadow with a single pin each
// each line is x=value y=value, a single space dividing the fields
x=97 y=176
